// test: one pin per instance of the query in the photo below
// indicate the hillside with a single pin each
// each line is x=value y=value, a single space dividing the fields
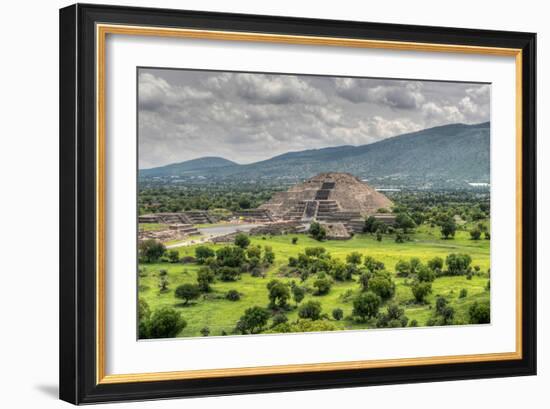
x=440 y=157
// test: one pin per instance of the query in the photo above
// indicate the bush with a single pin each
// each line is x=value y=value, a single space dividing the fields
x=202 y=253
x=253 y=321
x=229 y=273
x=173 y=256
x=242 y=240
x=188 y=260
x=475 y=234
x=337 y=314
x=205 y=331
x=269 y=255
x=317 y=231
x=421 y=290
x=165 y=323
x=205 y=277
x=230 y=256
x=425 y=274
x=448 y=227
x=278 y=294
x=354 y=258
x=444 y=311
x=382 y=285
x=393 y=318
x=435 y=264
x=405 y=222
x=150 y=251
x=310 y=310
x=279 y=318
x=298 y=293
x=402 y=268
x=373 y=265
x=295 y=240
x=322 y=286
x=480 y=313
x=233 y=295
x=413 y=323
x=187 y=292
x=366 y=305
x=364 y=280
x=463 y=293
x=458 y=264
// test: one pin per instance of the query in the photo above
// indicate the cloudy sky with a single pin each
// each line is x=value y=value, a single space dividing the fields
x=185 y=114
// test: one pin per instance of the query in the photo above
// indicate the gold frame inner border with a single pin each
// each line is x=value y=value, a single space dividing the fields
x=102 y=30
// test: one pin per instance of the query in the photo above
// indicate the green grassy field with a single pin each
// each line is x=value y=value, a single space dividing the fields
x=219 y=315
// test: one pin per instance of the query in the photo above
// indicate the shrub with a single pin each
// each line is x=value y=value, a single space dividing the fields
x=475 y=234
x=364 y=281
x=458 y=264
x=298 y=293
x=165 y=322
x=279 y=318
x=445 y=312
x=233 y=295
x=205 y=277
x=242 y=240
x=463 y=293
x=253 y=320
x=310 y=310
x=382 y=285
x=421 y=290
x=173 y=256
x=480 y=313
x=405 y=222
x=295 y=240
x=187 y=292
x=150 y=251
x=205 y=331
x=425 y=274
x=448 y=227
x=354 y=258
x=403 y=268
x=229 y=273
x=202 y=253
x=394 y=317
x=269 y=255
x=278 y=294
x=317 y=231
x=230 y=256
x=337 y=314
x=366 y=305
x=373 y=265
x=188 y=260
x=436 y=264
x=413 y=323
x=254 y=252
x=322 y=286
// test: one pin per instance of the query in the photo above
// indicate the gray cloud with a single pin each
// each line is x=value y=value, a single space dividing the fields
x=185 y=114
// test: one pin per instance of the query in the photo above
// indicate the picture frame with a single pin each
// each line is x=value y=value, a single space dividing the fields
x=83 y=218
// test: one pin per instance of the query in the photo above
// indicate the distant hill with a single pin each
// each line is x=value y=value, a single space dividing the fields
x=188 y=168
x=440 y=157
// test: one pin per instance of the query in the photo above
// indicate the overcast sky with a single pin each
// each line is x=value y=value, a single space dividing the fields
x=185 y=114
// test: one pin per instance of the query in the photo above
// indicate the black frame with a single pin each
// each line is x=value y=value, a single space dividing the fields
x=78 y=210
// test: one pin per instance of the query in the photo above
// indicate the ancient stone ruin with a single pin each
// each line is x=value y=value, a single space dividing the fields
x=330 y=198
x=189 y=217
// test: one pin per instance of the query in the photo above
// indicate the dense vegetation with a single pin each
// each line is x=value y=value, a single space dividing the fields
x=410 y=274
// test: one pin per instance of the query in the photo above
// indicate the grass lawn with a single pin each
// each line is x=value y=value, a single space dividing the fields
x=219 y=315
x=152 y=226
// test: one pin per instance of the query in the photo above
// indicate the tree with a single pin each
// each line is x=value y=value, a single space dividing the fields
x=436 y=264
x=425 y=274
x=366 y=305
x=317 y=231
x=405 y=222
x=295 y=240
x=298 y=293
x=420 y=290
x=475 y=234
x=229 y=273
x=205 y=331
x=279 y=318
x=202 y=253
x=364 y=280
x=369 y=224
x=444 y=310
x=480 y=313
x=322 y=286
x=205 y=277
x=253 y=321
x=173 y=256
x=242 y=240
x=416 y=264
x=394 y=317
x=403 y=268
x=278 y=294
x=165 y=322
x=373 y=265
x=310 y=310
x=448 y=227
x=230 y=256
x=337 y=314
x=269 y=255
x=354 y=258
x=254 y=252
x=144 y=314
x=458 y=264
x=150 y=251
x=382 y=285
x=187 y=292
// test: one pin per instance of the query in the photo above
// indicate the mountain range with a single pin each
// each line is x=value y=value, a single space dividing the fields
x=444 y=156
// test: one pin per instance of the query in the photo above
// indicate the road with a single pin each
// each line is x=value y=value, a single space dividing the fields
x=215 y=231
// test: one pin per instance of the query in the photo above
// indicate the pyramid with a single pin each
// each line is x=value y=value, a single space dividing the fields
x=327 y=197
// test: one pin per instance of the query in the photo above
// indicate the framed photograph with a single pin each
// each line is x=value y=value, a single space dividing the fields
x=258 y=203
